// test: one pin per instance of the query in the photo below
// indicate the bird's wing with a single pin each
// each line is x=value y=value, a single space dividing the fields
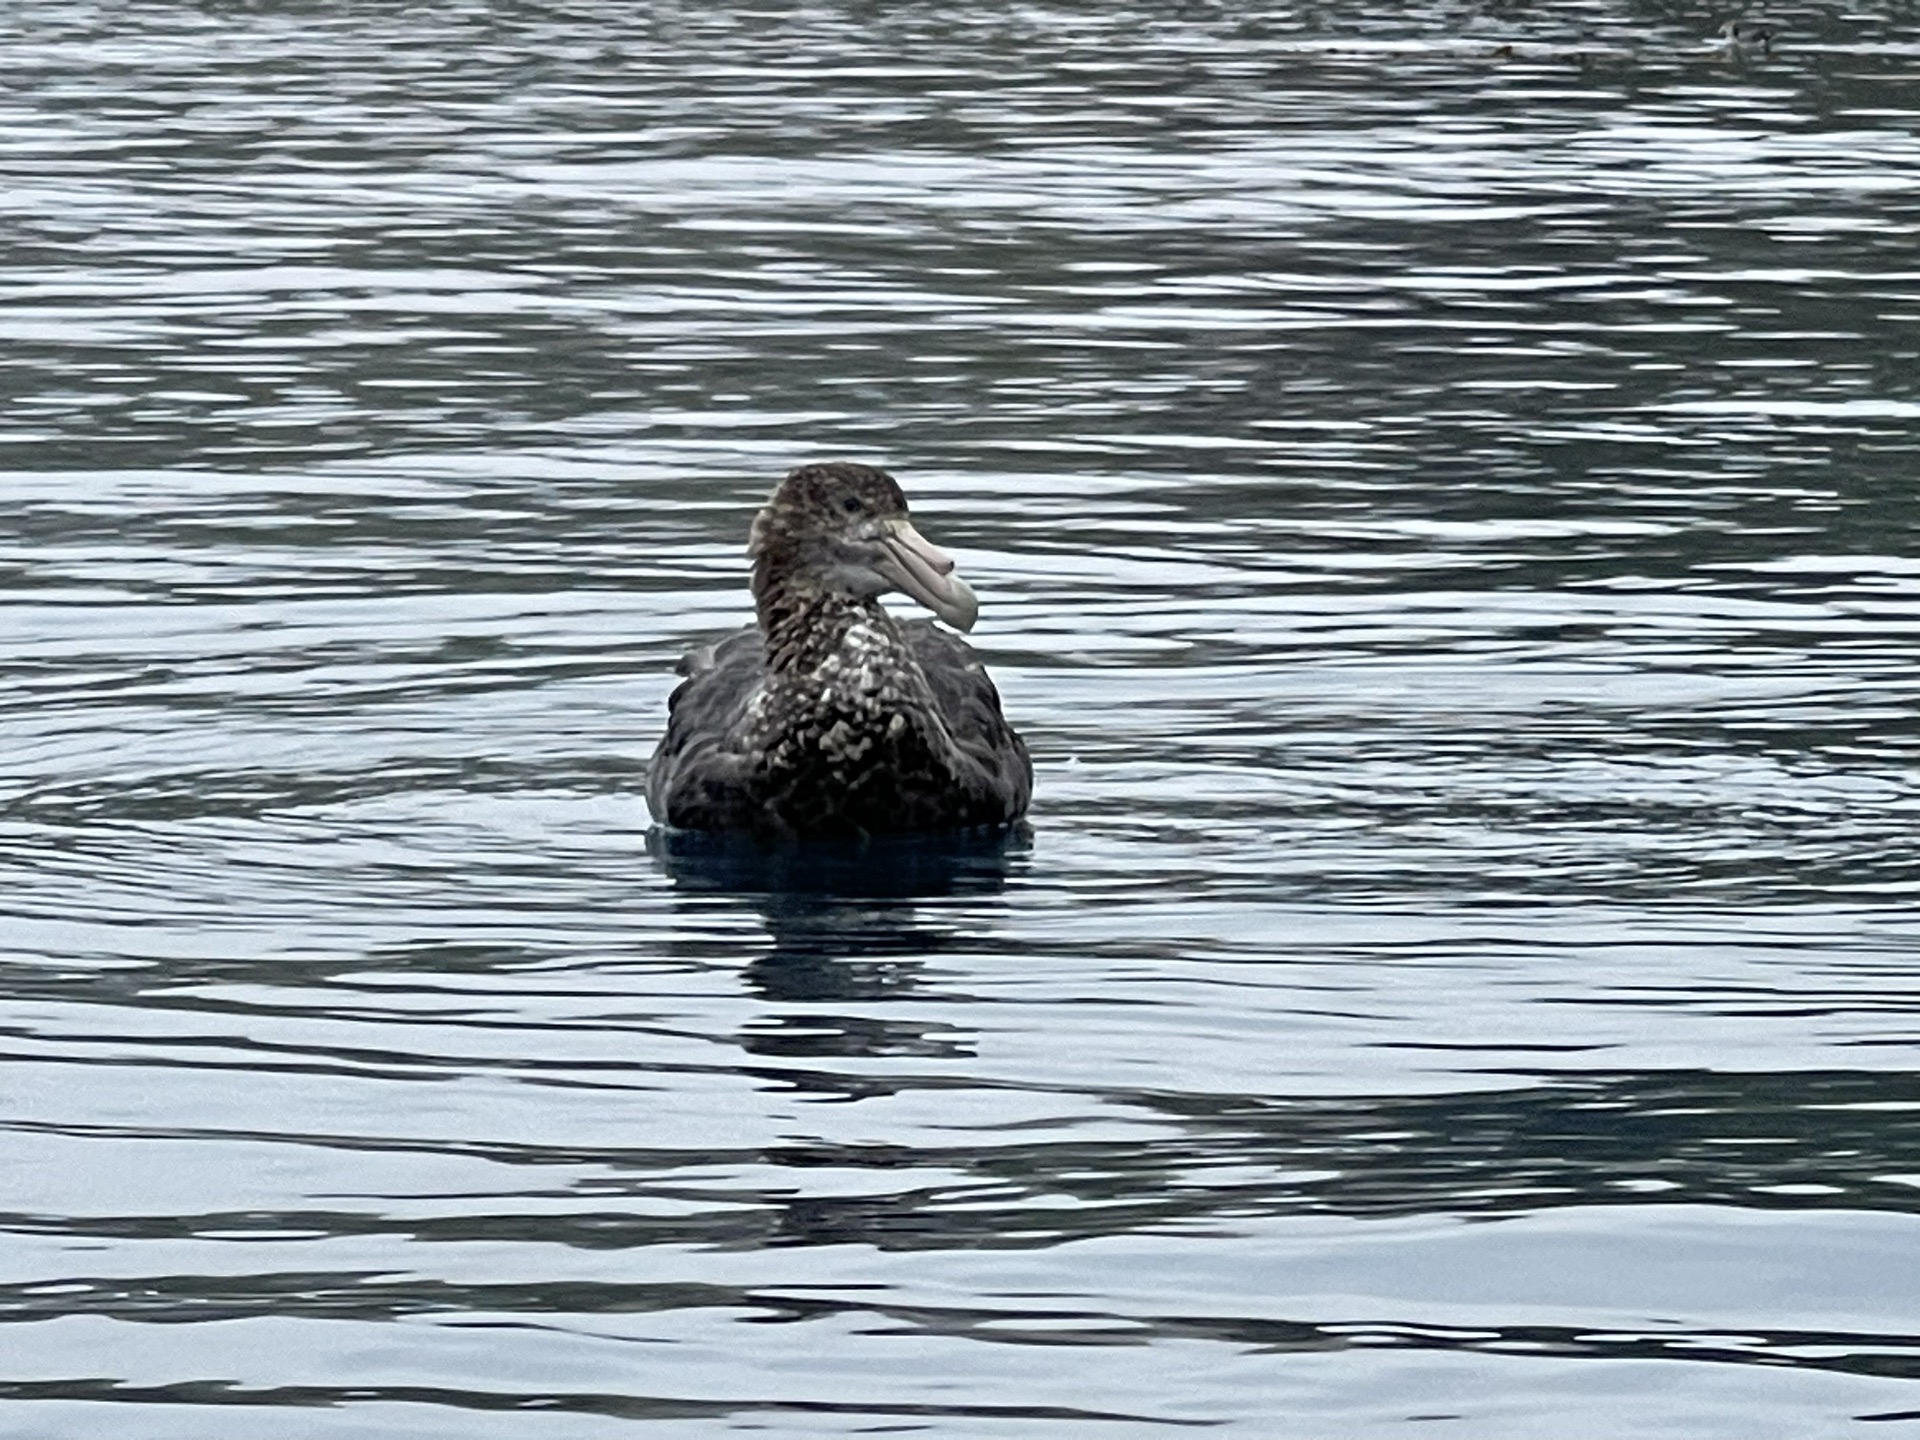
x=697 y=779
x=965 y=698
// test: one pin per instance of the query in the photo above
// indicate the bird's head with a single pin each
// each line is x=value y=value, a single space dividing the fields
x=843 y=528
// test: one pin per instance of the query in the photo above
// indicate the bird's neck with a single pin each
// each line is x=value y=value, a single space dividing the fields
x=803 y=625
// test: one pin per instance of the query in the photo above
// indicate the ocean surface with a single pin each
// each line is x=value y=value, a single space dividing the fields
x=1441 y=484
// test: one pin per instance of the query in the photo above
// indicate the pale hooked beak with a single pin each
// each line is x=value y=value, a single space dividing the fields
x=927 y=574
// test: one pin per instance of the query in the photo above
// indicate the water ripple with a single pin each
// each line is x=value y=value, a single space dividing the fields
x=1440 y=489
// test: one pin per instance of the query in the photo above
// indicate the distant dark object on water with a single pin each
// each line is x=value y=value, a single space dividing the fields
x=1746 y=36
x=1736 y=40
x=828 y=718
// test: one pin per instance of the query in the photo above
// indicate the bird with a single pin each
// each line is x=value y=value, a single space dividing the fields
x=827 y=718
x=1742 y=37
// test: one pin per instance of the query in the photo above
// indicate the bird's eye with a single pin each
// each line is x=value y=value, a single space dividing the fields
x=851 y=504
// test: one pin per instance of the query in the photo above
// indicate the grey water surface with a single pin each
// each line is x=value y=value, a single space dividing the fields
x=1441 y=484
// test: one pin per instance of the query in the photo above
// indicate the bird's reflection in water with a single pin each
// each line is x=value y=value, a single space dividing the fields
x=848 y=922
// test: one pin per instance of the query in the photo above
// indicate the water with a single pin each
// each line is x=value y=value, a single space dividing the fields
x=1440 y=487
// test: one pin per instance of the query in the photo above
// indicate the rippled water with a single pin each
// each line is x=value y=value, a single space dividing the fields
x=1441 y=486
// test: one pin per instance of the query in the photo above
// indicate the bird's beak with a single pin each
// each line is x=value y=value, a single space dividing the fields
x=927 y=574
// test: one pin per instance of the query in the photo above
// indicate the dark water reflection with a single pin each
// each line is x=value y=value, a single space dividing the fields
x=1440 y=483
x=843 y=927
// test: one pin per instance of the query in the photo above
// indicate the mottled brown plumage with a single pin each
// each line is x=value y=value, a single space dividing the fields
x=828 y=717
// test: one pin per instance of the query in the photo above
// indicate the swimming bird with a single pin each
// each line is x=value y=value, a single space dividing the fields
x=1743 y=37
x=827 y=717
